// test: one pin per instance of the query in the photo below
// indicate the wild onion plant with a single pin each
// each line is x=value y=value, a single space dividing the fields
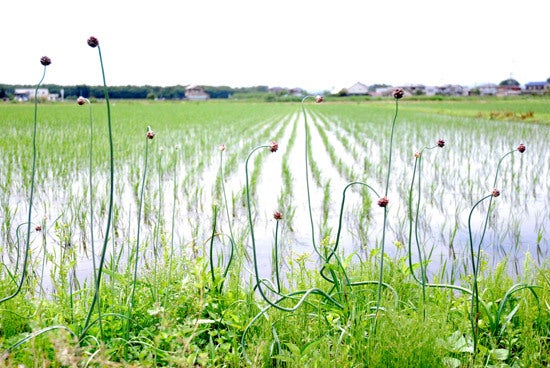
x=300 y=296
x=45 y=61
x=318 y=99
x=382 y=202
x=338 y=286
x=93 y=42
x=82 y=101
x=221 y=178
x=136 y=255
x=494 y=317
x=413 y=224
x=475 y=254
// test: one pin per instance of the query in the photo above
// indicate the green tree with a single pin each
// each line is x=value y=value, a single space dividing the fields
x=343 y=92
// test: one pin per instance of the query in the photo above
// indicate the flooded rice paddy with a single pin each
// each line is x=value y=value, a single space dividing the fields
x=168 y=198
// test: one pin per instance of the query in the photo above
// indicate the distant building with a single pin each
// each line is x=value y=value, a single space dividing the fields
x=508 y=87
x=196 y=93
x=26 y=94
x=358 y=89
x=296 y=91
x=430 y=90
x=537 y=87
x=452 y=90
x=278 y=90
x=489 y=89
x=383 y=91
x=415 y=89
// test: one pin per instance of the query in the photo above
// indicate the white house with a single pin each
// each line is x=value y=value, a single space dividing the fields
x=489 y=89
x=196 y=93
x=26 y=94
x=358 y=89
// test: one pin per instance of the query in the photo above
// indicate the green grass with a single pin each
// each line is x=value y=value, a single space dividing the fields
x=533 y=109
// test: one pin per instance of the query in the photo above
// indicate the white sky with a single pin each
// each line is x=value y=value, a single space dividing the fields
x=316 y=45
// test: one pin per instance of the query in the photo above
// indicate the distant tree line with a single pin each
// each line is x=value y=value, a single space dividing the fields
x=134 y=92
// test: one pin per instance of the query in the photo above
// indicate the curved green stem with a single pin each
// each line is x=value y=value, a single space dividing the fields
x=474 y=309
x=391 y=148
x=417 y=163
x=276 y=253
x=31 y=195
x=338 y=234
x=476 y=256
x=417 y=167
x=303 y=299
x=36 y=334
x=211 y=253
x=255 y=257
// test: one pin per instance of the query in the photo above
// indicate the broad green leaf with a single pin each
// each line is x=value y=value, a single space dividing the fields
x=500 y=354
x=450 y=362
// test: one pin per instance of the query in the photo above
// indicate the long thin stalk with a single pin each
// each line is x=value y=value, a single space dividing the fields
x=136 y=252
x=31 y=194
x=111 y=197
x=474 y=310
x=476 y=256
x=174 y=200
x=337 y=240
x=276 y=256
x=229 y=222
x=81 y=101
x=212 y=237
x=308 y=190
x=423 y=282
x=384 y=223
x=255 y=256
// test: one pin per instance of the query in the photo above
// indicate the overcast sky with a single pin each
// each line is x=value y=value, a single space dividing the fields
x=317 y=45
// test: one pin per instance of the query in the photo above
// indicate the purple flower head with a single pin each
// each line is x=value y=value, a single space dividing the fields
x=93 y=42
x=318 y=99
x=277 y=215
x=44 y=60
x=495 y=192
x=441 y=143
x=150 y=134
x=273 y=146
x=81 y=100
x=521 y=148
x=383 y=202
x=398 y=93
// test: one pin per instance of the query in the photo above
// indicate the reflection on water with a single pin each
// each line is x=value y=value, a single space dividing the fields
x=177 y=213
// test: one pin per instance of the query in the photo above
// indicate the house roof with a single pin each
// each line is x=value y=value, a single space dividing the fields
x=535 y=84
x=509 y=82
x=358 y=88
